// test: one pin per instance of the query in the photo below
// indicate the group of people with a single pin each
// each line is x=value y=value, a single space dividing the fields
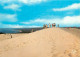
x=49 y=25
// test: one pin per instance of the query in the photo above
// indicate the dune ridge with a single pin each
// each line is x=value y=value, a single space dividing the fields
x=51 y=42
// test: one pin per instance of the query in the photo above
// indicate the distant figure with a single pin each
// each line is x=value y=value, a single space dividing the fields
x=46 y=26
x=58 y=25
x=49 y=25
x=20 y=31
x=43 y=26
x=11 y=35
x=32 y=30
x=53 y=25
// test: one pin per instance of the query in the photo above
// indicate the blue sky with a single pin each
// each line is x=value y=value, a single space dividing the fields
x=35 y=13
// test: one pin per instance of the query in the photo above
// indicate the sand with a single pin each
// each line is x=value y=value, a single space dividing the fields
x=8 y=36
x=74 y=31
x=4 y=37
x=51 y=42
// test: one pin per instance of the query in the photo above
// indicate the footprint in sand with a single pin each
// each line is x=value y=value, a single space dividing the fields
x=53 y=46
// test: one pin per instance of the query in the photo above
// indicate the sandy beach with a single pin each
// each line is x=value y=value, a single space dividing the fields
x=51 y=42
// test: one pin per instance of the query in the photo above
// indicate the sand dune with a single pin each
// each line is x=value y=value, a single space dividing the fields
x=8 y=36
x=74 y=31
x=4 y=36
x=52 y=42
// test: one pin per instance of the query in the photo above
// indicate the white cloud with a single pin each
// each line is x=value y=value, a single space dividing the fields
x=71 y=20
x=70 y=7
x=31 y=1
x=42 y=21
x=16 y=26
x=16 y=4
x=68 y=20
x=36 y=21
x=10 y=26
x=21 y=26
x=12 y=6
x=8 y=17
x=22 y=1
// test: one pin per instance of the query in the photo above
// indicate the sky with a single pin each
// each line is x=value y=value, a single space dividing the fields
x=35 y=13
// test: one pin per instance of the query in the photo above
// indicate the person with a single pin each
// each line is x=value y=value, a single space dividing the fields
x=11 y=35
x=49 y=25
x=58 y=25
x=46 y=26
x=43 y=26
x=52 y=25
x=32 y=30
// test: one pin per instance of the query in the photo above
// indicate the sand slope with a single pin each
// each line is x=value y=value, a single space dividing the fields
x=4 y=36
x=8 y=36
x=52 y=42
x=74 y=31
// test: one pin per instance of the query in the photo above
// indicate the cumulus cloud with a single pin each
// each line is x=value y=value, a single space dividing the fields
x=10 y=26
x=8 y=17
x=12 y=6
x=21 y=26
x=70 y=7
x=71 y=20
x=31 y=1
x=16 y=26
x=16 y=4
x=22 y=1
x=68 y=20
